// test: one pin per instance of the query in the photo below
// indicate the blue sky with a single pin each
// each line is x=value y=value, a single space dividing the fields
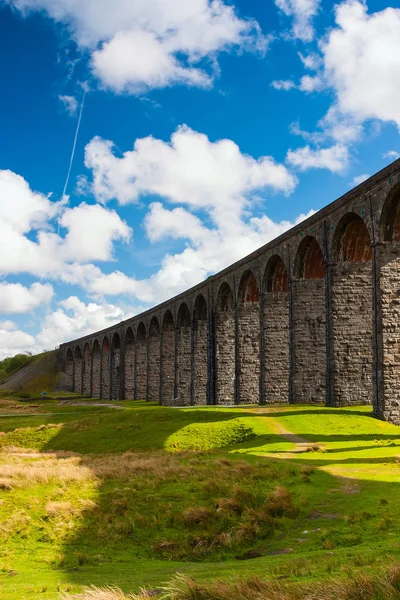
x=209 y=127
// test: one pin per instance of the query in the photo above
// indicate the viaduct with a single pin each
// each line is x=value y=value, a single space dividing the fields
x=311 y=317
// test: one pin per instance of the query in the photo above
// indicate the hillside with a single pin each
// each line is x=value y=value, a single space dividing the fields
x=129 y=496
x=38 y=374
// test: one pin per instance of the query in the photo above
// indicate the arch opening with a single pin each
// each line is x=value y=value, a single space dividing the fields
x=309 y=262
x=115 y=367
x=390 y=218
x=183 y=319
x=200 y=309
x=276 y=279
x=225 y=299
x=225 y=346
x=69 y=370
x=352 y=242
x=78 y=370
x=248 y=289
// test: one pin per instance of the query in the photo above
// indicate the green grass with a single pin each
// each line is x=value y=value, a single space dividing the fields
x=129 y=497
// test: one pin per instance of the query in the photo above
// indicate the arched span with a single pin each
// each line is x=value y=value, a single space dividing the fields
x=390 y=217
x=168 y=359
x=276 y=277
x=105 y=369
x=154 y=329
x=351 y=242
x=168 y=321
x=154 y=361
x=115 y=367
x=129 y=356
x=87 y=370
x=184 y=356
x=141 y=332
x=309 y=324
x=309 y=262
x=69 y=370
x=96 y=369
x=200 y=309
x=351 y=312
x=276 y=320
x=248 y=339
x=225 y=354
x=78 y=370
x=141 y=363
x=200 y=351
x=225 y=299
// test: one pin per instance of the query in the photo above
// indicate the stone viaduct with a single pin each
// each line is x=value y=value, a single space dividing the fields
x=311 y=317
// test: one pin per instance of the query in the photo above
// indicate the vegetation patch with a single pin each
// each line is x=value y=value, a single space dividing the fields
x=206 y=436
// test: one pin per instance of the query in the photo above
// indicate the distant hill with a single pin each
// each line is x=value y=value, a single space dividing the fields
x=39 y=374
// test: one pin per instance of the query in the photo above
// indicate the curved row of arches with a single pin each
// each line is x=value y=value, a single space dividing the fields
x=301 y=331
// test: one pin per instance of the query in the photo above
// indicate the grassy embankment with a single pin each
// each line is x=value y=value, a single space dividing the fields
x=130 y=497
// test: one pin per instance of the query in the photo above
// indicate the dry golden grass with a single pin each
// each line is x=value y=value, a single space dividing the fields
x=109 y=593
x=198 y=515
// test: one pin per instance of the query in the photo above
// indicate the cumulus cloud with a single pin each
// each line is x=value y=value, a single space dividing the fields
x=189 y=170
x=140 y=44
x=360 y=178
x=335 y=158
x=16 y=298
x=28 y=243
x=13 y=341
x=391 y=154
x=303 y=13
x=361 y=57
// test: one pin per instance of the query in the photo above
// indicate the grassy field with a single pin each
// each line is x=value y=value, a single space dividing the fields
x=130 y=496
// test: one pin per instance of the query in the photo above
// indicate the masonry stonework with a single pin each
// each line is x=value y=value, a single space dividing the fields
x=311 y=317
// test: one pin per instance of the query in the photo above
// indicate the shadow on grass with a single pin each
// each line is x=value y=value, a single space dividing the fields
x=94 y=557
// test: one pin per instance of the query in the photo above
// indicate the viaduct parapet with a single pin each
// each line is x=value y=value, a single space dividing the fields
x=311 y=317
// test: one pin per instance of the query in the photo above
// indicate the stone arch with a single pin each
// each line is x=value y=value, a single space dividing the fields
x=388 y=266
x=309 y=262
x=141 y=363
x=309 y=324
x=115 y=366
x=77 y=370
x=225 y=345
x=351 y=312
x=105 y=369
x=154 y=360
x=183 y=355
x=276 y=278
x=390 y=217
x=200 y=350
x=87 y=370
x=276 y=323
x=69 y=370
x=249 y=338
x=168 y=359
x=352 y=241
x=129 y=370
x=96 y=369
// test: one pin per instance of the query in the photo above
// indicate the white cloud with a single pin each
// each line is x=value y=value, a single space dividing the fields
x=70 y=104
x=307 y=84
x=28 y=243
x=13 y=341
x=74 y=319
x=15 y=298
x=189 y=170
x=283 y=84
x=138 y=44
x=303 y=13
x=335 y=158
x=392 y=154
x=361 y=59
x=360 y=178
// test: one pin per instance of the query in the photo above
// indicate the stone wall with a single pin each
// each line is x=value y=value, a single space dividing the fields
x=352 y=356
x=329 y=313
x=86 y=371
x=309 y=341
x=276 y=352
x=115 y=373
